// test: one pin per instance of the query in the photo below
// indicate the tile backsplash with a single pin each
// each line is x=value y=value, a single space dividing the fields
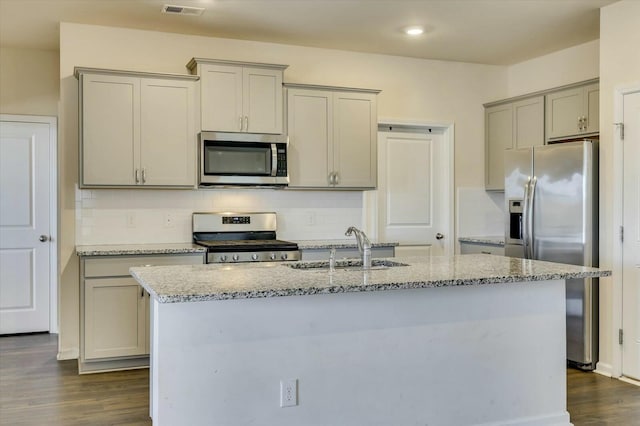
x=480 y=213
x=122 y=216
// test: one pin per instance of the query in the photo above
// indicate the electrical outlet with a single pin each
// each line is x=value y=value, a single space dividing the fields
x=131 y=220
x=311 y=219
x=288 y=393
x=169 y=221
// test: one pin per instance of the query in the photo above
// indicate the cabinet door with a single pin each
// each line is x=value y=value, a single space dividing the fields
x=564 y=110
x=309 y=124
x=114 y=316
x=528 y=122
x=221 y=98
x=168 y=138
x=592 y=108
x=355 y=140
x=262 y=100
x=498 y=138
x=110 y=129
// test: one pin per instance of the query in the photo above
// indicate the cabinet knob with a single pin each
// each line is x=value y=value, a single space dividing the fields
x=439 y=236
x=43 y=238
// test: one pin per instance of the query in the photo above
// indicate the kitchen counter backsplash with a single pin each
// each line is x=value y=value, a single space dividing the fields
x=133 y=216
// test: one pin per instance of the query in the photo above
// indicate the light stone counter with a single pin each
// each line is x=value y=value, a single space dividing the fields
x=338 y=244
x=494 y=240
x=138 y=249
x=192 y=283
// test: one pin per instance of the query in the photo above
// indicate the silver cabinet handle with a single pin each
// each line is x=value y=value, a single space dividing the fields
x=240 y=123
x=144 y=175
x=439 y=236
x=331 y=178
x=137 y=176
x=584 y=123
x=43 y=238
x=246 y=123
x=336 y=179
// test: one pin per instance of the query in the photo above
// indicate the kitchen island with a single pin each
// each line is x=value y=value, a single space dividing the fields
x=463 y=340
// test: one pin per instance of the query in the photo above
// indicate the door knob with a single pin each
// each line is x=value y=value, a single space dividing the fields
x=439 y=236
x=43 y=238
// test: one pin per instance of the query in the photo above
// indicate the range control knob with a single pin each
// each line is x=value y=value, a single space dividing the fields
x=223 y=258
x=254 y=256
x=272 y=256
x=284 y=256
x=235 y=257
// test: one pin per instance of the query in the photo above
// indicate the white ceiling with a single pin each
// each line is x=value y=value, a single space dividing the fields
x=497 y=32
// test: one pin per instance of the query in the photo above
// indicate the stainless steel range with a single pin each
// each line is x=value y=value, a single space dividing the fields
x=241 y=237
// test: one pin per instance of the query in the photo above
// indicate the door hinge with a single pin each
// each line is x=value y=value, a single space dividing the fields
x=620 y=337
x=622 y=234
x=621 y=127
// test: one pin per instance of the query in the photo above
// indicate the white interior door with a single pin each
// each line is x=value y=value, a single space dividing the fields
x=631 y=243
x=410 y=192
x=24 y=226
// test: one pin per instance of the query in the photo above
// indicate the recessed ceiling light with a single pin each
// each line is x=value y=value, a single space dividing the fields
x=414 y=31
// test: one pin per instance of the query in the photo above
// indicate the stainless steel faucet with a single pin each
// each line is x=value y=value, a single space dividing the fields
x=364 y=245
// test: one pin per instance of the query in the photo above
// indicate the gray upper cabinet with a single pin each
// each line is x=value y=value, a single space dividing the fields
x=136 y=130
x=573 y=112
x=510 y=125
x=332 y=137
x=239 y=97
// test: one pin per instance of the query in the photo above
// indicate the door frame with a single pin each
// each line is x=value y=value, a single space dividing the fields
x=53 y=207
x=618 y=211
x=370 y=198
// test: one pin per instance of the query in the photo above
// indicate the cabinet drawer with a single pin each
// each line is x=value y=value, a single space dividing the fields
x=471 y=248
x=119 y=265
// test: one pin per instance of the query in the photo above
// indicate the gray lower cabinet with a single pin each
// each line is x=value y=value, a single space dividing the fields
x=114 y=310
x=342 y=253
x=480 y=248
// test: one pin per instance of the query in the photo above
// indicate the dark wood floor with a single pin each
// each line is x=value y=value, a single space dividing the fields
x=36 y=389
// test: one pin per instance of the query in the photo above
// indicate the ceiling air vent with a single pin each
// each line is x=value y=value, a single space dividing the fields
x=182 y=10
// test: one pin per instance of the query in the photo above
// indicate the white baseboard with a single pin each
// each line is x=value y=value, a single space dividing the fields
x=604 y=369
x=561 y=419
x=68 y=354
x=629 y=380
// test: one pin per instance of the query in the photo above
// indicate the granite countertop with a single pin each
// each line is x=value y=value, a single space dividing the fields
x=497 y=240
x=134 y=249
x=192 y=283
x=338 y=244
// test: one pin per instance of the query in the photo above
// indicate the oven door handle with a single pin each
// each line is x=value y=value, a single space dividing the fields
x=274 y=159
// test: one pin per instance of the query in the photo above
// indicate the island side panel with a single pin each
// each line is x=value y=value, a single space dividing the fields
x=467 y=355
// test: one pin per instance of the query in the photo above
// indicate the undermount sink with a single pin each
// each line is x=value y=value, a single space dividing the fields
x=344 y=265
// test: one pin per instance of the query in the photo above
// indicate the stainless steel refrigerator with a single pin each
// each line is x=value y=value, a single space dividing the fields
x=551 y=196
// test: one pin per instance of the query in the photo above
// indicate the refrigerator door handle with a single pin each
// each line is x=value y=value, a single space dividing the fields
x=530 y=231
x=525 y=219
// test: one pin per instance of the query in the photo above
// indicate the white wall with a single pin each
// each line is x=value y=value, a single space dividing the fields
x=619 y=67
x=412 y=90
x=559 y=68
x=29 y=81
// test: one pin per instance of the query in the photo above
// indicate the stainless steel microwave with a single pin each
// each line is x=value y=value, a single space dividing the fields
x=243 y=159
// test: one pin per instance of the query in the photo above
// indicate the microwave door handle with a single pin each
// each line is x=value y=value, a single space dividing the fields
x=274 y=159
